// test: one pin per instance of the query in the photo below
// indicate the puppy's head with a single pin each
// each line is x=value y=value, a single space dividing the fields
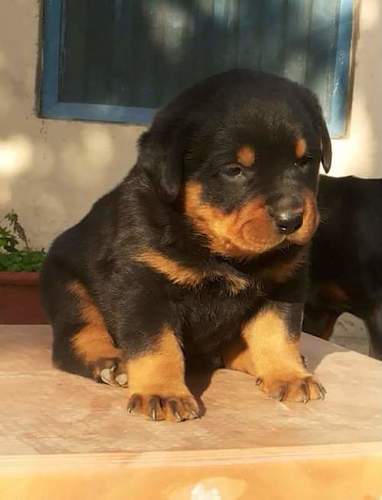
x=241 y=152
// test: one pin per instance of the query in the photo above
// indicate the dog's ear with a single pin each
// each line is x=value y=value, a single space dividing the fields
x=161 y=156
x=318 y=120
x=326 y=146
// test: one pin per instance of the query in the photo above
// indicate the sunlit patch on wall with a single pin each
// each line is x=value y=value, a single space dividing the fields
x=97 y=144
x=87 y=160
x=16 y=155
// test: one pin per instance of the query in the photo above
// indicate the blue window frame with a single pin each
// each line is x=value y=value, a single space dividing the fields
x=119 y=60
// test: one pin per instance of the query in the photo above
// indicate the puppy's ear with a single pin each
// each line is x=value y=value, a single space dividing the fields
x=326 y=146
x=161 y=155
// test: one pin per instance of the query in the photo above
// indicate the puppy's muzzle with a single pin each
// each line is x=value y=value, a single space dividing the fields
x=287 y=214
x=288 y=222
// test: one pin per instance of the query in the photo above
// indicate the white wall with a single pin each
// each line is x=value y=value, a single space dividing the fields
x=51 y=171
x=361 y=152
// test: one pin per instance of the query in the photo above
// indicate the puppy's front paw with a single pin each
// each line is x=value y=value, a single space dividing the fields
x=300 y=388
x=175 y=408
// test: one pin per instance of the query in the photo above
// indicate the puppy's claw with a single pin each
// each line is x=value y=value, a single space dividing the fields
x=134 y=402
x=283 y=392
x=322 y=390
x=107 y=375
x=306 y=392
x=156 y=407
x=121 y=379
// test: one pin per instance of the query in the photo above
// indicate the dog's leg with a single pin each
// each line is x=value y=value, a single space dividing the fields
x=156 y=381
x=374 y=325
x=270 y=351
x=89 y=344
x=237 y=356
x=92 y=343
x=319 y=322
x=81 y=342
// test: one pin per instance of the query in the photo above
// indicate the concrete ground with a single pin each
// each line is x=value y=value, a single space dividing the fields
x=350 y=332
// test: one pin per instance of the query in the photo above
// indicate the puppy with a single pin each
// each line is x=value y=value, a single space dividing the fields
x=346 y=267
x=200 y=252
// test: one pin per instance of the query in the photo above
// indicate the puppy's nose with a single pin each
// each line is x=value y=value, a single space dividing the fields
x=288 y=221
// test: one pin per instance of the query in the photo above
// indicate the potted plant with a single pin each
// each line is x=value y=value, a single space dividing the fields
x=19 y=275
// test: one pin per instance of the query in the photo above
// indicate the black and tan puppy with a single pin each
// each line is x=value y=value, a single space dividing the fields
x=346 y=258
x=200 y=251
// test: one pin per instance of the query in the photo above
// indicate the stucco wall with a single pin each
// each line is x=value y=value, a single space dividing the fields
x=51 y=171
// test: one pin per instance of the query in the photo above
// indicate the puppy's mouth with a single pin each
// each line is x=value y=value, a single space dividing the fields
x=249 y=230
x=311 y=220
x=275 y=231
x=259 y=236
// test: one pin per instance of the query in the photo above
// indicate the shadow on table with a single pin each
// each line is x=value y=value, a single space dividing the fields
x=315 y=350
x=198 y=382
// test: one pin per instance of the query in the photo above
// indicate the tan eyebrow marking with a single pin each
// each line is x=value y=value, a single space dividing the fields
x=300 y=148
x=246 y=156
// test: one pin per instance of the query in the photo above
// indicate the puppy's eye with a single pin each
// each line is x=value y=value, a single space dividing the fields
x=304 y=161
x=232 y=171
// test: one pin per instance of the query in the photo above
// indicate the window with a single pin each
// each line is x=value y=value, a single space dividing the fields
x=120 y=60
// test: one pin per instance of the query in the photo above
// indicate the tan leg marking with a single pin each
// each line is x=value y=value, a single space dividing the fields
x=238 y=357
x=93 y=344
x=268 y=352
x=156 y=382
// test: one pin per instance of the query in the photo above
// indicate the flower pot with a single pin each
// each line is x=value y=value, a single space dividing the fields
x=20 y=299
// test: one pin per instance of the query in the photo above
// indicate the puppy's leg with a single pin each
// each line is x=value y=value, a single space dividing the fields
x=91 y=344
x=156 y=381
x=81 y=342
x=270 y=351
x=237 y=356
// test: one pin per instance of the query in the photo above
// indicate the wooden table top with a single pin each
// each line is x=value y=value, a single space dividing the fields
x=64 y=437
x=46 y=411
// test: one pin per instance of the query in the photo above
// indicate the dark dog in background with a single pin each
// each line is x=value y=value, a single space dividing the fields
x=201 y=251
x=346 y=258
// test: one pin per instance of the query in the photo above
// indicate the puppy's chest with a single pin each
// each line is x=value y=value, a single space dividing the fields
x=212 y=316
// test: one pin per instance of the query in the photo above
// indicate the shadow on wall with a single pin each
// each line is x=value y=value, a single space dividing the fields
x=51 y=171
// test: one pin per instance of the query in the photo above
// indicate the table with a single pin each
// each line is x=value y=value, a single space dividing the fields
x=67 y=437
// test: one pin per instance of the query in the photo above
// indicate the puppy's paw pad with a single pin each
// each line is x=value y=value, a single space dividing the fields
x=298 y=389
x=168 y=407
